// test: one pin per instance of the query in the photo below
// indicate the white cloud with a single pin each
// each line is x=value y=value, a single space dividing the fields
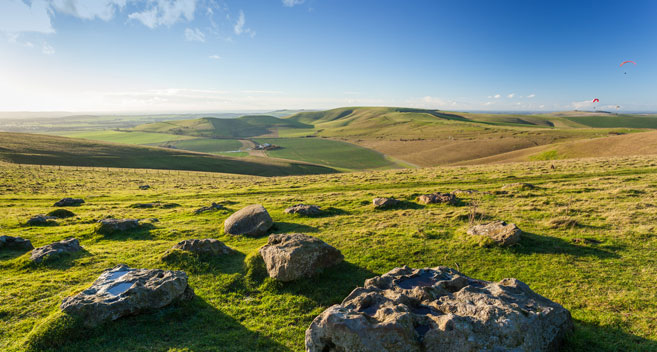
x=165 y=12
x=47 y=49
x=531 y=96
x=497 y=96
x=239 y=26
x=89 y=9
x=511 y=95
x=18 y=16
x=194 y=35
x=290 y=3
x=586 y=104
x=214 y=57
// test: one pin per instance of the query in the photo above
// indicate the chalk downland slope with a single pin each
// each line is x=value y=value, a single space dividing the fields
x=53 y=150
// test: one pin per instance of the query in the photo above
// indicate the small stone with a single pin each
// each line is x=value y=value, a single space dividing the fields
x=109 y=226
x=253 y=220
x=69 y=202
x=303 y=209
x=41 y=220
x=213 y=207
x=499 y=231
x=204 y=247
x=294 y=256
x=447 y=198
x=144 y=187
x=55 y=249
x=15 y=243
x=123 y=291
x=385 y=203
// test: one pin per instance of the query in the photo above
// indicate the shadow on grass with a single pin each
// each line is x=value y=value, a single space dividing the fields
x=289 y=227
x=186 y=326
x=205 y=264
x=595 y=338
x=142 y=233
x=328 y=287
x=9 y=254
x=533 y=243
x=403 y=204
x=325 y=213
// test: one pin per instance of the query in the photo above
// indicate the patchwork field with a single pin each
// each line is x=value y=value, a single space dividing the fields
x=606 y=279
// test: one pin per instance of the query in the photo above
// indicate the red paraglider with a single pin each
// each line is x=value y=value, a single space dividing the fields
x=596 y=100
x=624 y=62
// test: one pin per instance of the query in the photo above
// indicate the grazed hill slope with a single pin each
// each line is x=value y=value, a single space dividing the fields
x=52 y=150
x=608 y=285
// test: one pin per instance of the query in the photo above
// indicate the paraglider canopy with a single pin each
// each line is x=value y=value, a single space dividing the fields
x=596 y=100
x=624 y=62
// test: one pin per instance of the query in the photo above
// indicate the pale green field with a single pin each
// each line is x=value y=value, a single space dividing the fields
x=127 y=137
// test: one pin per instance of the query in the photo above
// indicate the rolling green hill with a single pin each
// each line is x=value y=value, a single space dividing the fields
x=53 y=150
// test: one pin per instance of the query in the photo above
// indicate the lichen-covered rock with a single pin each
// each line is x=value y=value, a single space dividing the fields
x=207 y=246
x=447 y=198
x=55 y=249
x=253 y=220
x=41 y=220
x=385 y=203
x=123 y=291
x=439 y=310
x=69 y=202
x=304 y=209
x=293 y=256
x=213 y=207
x=15 y=243
x=110 y=226
x=499 y=231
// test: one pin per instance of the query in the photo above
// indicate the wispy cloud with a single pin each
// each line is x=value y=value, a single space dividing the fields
x=47 y=49
x=511 y=95
x=89 y=9
x=497 y=96
x=531 y=96
x=291 y=3
x=165 y=12
x=194 y=35
x=215 y=57
x=239 y=26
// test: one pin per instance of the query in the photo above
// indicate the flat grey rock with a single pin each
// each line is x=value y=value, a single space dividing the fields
x=69 y=202
x=55 y=249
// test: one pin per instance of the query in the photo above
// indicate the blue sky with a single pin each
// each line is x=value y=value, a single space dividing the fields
x=213 y=55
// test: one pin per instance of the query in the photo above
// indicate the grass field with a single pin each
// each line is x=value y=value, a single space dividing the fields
x=608 y=286
x=327 y=152
x=208 y=145
x=610 y=121
x=127 y=137
x=53 y=150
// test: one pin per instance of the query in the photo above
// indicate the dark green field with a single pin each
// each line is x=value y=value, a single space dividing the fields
x=611 y=121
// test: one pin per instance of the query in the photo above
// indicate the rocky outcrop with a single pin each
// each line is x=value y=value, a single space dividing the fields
x=253 y=220
x=499 y=231
x=69 y=202
x=15 y=243
x=203 y=247
x=122 y=291
x=110 y=226
x=293 y=256
x=385 y=203
x=41 y=220
x=447 y=198
x=212 y=207
x=439 y=310
x=304 y=209
x=55 y=249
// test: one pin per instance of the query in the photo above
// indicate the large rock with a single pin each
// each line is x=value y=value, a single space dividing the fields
x=15 y=243
x=436 y=310
x=204 y=247
x=293 y=256
x=122 y=291
x=69 y=202
x=385 y=203
x=55 y=249
x=253 y=220
x=438 y=197
x=109 y=226
x=304 y=209
x=499 y=231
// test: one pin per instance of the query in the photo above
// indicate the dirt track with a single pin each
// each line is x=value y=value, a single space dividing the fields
x=249 y=146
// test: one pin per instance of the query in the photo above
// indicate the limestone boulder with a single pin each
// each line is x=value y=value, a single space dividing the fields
x=253 y=220
x=55 y=249
x=499 y=231
x=15 y=243
x=304 y=209
x=69 y=202
x=439 y=310
x=434 y=198
x=294 y=256
x=123 y=291
x=385 y=203
x=207 y=246
x=110 y=226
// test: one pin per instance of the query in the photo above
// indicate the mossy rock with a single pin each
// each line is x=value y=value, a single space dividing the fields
x=61 y=213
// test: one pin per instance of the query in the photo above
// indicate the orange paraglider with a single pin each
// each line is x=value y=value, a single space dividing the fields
x=625 y=62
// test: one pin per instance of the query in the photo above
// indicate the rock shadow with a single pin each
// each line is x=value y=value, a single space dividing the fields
x=9 y=254
x=532 y=243
x=205 y=264
x=290 y=227
x=142 y=233
x=402 y=204
x=330 y=286
x=194 y=325
x=596 y=338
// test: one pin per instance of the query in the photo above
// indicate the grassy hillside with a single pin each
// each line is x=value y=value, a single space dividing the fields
x=207 y=145
x=52 y=150
x=610 y=121
x=245 y=126
x=607 y=285
x=127 y=137
x=327 y=152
